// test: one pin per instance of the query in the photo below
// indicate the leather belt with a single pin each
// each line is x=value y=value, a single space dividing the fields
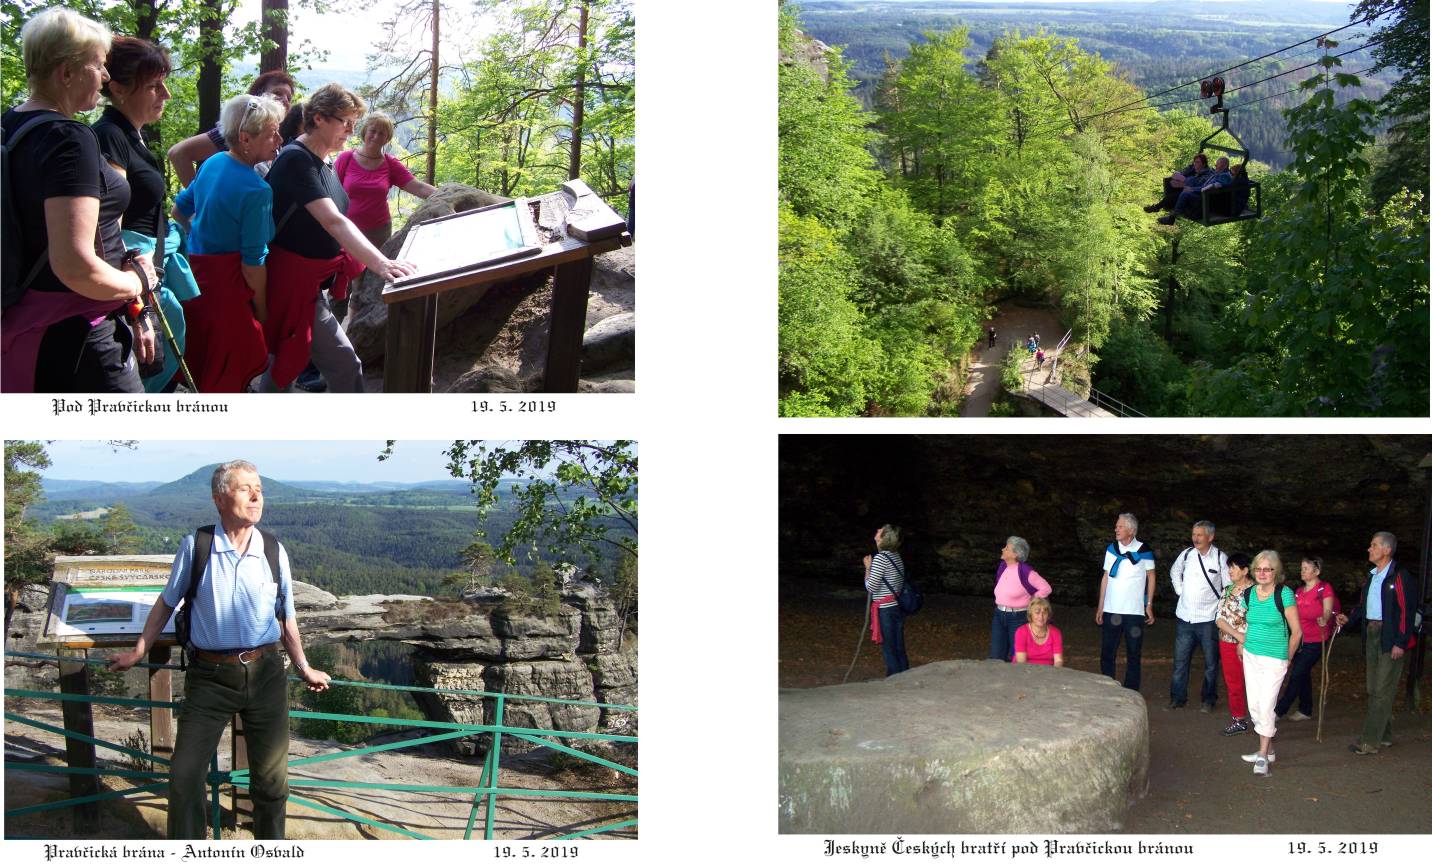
x=238 y=658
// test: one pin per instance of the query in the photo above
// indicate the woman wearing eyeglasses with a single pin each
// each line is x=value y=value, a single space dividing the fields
x=1273 y=635
x=68 y=330
x=316 y=248
x=228 y=212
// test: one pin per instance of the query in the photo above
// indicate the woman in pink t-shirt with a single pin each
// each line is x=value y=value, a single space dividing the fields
x=1037 y=642
x=367 y=173
x=1316 y=600
x=1015 y=583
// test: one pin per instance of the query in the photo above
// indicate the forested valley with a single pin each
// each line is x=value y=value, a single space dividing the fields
x=1017 y=174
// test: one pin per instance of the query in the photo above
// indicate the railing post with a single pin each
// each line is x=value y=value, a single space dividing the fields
x=239 y=795
x=79 y=717
x=495 y=756
x=161 y=719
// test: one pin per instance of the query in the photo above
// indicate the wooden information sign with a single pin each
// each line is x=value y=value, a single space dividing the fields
x=571 y=226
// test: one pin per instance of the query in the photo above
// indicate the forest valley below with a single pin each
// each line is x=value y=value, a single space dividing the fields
x=1019 y=175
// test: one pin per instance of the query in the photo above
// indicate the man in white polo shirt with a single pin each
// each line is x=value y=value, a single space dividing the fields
x=242 y=610
x=1199 y=575
x=1126 y=600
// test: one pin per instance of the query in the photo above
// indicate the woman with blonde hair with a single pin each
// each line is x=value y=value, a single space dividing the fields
x=66 y=324
x=884 y=579
x=316 y=248
x=1272 y=637
x=1037 y=642
x=368 y=173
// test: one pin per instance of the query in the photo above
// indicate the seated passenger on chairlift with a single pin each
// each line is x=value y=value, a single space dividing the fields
x=1195 y=172
x=1190 y=201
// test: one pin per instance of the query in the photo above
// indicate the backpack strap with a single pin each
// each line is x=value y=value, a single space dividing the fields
x=9 y=144
x=898 y=570
x=271 y=554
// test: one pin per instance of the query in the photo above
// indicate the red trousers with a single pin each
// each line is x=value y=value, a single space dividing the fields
x=1233 y=678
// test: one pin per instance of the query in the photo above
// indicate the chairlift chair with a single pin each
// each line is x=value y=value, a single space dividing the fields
x=1244 y=199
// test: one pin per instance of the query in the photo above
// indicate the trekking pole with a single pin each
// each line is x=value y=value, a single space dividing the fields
x=1323 y=682
x=859 y=643
x=152 y=299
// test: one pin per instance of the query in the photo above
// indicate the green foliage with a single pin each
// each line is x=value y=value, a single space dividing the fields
x=1011 y=370
x=1139 y=368
x=576 y=495
x=27 y=554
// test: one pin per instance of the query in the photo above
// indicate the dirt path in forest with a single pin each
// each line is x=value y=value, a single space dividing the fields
x=1197 y=781
x=1011 y=324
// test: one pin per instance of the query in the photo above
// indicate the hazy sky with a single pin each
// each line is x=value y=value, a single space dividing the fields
x=285 y=461
x=348 y=34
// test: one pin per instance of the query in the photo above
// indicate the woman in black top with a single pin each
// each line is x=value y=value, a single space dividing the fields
x=137 y=93
x=68 y=331
x=315 y=247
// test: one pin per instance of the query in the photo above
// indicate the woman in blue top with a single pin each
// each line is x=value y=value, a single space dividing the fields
x=1266 y=646
x=228 y=212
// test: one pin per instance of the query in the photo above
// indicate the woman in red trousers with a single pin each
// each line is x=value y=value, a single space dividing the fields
x=1232 y=620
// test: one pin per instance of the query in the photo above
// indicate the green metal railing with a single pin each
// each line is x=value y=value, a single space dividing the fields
x=484 y=793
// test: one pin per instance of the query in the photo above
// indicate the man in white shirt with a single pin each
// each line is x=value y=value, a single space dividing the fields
x=1126 y=600
x=1199 y=575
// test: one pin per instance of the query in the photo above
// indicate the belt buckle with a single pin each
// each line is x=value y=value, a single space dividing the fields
x=258 y=651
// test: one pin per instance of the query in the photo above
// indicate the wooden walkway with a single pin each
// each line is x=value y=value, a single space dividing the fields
x=1051 y=394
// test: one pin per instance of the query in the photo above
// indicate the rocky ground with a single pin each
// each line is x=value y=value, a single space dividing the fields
x=439 y=815
x=1197 y=781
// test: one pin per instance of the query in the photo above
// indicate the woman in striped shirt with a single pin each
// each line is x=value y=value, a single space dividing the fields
x=884 y=578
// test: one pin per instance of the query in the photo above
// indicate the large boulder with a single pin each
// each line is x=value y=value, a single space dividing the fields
x=570 y=680
x=962 y=747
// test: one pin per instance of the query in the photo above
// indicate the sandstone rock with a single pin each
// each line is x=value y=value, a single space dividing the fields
x=528 y=636
x=306 y=596
x=614 y=681
x=462 y=709
x=551 y=679
x=487 y=379
x=963 y=747
x=610 y=343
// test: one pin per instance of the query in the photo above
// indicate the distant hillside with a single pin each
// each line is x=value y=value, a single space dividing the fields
x=82 y=489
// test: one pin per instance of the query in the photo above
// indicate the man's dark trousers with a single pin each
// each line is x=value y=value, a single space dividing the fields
x=258 y=693
x=1131 y=627
x=1205 y=634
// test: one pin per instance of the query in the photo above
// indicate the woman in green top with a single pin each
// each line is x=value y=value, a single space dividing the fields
x=1266 y=647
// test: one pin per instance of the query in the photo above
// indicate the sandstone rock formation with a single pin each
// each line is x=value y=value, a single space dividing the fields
x=961 y=747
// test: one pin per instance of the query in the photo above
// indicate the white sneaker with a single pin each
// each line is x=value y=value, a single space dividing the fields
x=1260 y=767
x=1253 y=757
x=1297 y=716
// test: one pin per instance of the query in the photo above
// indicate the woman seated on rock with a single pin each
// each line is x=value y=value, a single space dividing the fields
x=1232 y=626
x=228 y=213
x=1037 y=642
x=1016 y=584
x=316 y=247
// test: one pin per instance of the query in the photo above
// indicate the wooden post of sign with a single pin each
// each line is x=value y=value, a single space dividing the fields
x=412 y=339
x=240 y=802
x=79 y=717
x=571 y=283
x=161 y=719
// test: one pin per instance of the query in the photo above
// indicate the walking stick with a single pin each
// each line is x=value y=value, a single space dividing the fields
x=1323 y=681
x=151 y=295
x=859 y=643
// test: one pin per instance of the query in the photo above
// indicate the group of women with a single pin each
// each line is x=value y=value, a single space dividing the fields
x=265 y=238
x=1269 y=634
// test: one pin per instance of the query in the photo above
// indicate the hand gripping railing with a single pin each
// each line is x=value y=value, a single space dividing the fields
x=484 y=794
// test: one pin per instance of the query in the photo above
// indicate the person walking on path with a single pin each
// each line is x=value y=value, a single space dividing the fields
x=1385 y=611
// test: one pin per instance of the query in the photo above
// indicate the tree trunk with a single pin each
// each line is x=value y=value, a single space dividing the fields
x=211 y=66
x=433 y=101
x=273 y=26
x=579 y=97
x=145 y=18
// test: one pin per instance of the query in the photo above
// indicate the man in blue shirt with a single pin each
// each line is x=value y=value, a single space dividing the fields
x=241 y=614
x=1387 y=611
x=1190 y=201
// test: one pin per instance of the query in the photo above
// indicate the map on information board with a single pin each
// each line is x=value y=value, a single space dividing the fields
x=470 y=240
x=108 y=610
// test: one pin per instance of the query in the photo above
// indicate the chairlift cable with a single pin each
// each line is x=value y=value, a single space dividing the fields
x=1119 y=109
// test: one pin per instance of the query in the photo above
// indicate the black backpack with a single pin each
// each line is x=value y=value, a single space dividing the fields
x=12 y=243
x=203 y=545
x=1277 y=600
